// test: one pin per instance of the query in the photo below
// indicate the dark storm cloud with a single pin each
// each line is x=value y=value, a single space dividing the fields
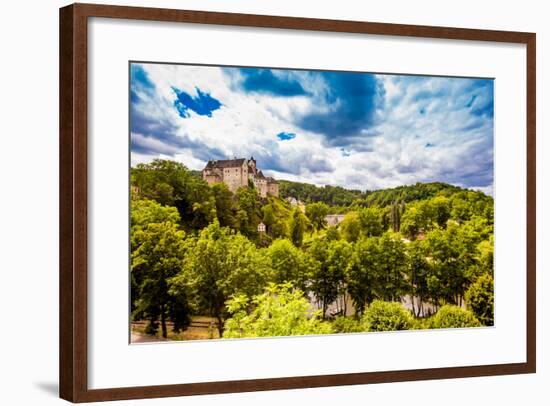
x=352 y=100
x=265 y=81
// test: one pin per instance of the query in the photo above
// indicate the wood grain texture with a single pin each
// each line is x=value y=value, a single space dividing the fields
x=531 y=173
x=73 y=200
x=66 y=130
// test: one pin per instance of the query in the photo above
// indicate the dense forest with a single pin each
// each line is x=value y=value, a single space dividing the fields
x=411 y=257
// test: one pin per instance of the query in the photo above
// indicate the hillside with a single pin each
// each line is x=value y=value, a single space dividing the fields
x=338 y=196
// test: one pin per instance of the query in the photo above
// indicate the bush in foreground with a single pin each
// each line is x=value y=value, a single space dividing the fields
x=344 y=324
x=387 y=316
x=480 y=298
x=279 y=311
x=450 y=316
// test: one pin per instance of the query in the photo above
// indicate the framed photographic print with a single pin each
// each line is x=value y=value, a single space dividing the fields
x=256 y=202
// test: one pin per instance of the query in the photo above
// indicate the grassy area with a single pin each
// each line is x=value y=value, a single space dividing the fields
x=201 y=328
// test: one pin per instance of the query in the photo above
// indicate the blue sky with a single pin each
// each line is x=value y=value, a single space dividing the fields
x=357 y=130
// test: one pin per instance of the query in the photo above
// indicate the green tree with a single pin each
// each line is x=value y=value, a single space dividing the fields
x=161 y=180
x=317 y=212
x=332 y=234
x=280 y=311
x=417 y=275
x=486 y=253
x=362 y=273
x=159 y=250
x=219 y=264
x=391 y=261
x=451 y=316
x=441 y=210
x=371 y=221
x=225 y=207
x=338 y=259
x=395 y=215
x=419 y=217
x=454 y=260
x=144 y=212
x=460 y=208
x=410 y=224
x=288 y=264
x=377 y=270
x=171 y=183
x=350 y=227
x=327 y=277
x=296 y=227
x=387 y=316
x=480 y=299
x=269 y=217
x=274 y=220
x=249 y=212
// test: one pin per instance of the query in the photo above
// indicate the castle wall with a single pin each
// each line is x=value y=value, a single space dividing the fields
x=233 y=177
x=261 y=186
x=238 y=176
x=244 y=175
x=212 y=176
x=273 y=189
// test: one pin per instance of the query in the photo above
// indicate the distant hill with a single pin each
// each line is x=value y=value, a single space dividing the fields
x=197 y=174
x=342 y=197
x=308 y=193
x=408 y=193
x=338 y=196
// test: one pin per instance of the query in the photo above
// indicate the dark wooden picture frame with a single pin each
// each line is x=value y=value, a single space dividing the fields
x=74 y=201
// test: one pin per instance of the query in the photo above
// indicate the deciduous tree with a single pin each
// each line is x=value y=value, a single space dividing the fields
x=317 y=212
x=280 y=311
x=159 y=250
x=218 y=265
x=371 y=221
x=296 y=227
x=350 y=227
x=289 y=264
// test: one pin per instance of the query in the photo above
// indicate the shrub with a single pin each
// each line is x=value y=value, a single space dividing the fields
x=387 y=316
x=480 y=299
x=450 y=316
x=347 y=325
x=421 y=324
x=279 y=311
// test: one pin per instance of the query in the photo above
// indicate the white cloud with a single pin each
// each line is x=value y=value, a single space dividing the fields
x=423 y=131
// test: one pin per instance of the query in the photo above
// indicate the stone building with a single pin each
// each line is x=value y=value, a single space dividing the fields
x=235 y=173
x=297 y=203
x=334 y=219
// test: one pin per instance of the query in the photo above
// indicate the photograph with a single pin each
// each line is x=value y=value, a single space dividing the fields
x=276 y=202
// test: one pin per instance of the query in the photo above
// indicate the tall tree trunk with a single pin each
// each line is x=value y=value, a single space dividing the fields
x=220 y=325
x=163 y=322
x=345 y=304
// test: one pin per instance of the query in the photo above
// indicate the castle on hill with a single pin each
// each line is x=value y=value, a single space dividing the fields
x=235 y=173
